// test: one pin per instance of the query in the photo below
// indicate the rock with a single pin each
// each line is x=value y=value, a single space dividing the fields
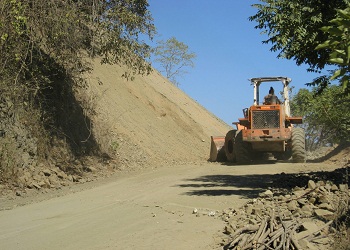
x=298 y=193
x=45 y=184
x=91 y=169
x=268 y=193
x=310 y=226
x=53 y=180
x=292 y=205
x=27 y=176
x=306 y=210
x=307 y=245
x=19 y=193
x=302 y=201
x=61 y=175
x=257 y=211
x=36 y=185
x=75 y=178
x=323 y=199
x=326 y=206
x=46 y=172
x=327 y=187
x=26 y=159
x=312 y=200
x=229 y=230
x=22 y=180
x=311 y=184
x=323 y=213
x=38 y=177
x=334 y=188
x=249 y=209
x=281 y=198
x=287 y=196
x=82 y=180
x=70 y=178
x=320 y=184
x=343 y=187
x=286 y=213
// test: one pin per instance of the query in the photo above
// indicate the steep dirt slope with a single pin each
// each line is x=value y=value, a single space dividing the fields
x=149 y=120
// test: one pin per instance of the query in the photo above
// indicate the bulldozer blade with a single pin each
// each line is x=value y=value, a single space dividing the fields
x=217 y=152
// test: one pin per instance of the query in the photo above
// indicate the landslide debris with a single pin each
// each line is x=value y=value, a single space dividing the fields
x=307 y=217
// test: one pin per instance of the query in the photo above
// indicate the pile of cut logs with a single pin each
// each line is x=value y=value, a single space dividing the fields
x=303 y=219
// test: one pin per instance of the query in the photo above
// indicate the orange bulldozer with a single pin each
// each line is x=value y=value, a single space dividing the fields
x=267 y=128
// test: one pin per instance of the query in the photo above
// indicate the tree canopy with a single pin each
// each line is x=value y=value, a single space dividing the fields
x=338 y=47
x=326 y=115
x=36 y=34
x=294 y=27
x=311 y=32
x=174 y=57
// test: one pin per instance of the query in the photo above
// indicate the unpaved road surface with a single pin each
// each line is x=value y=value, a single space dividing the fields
x=148 y=210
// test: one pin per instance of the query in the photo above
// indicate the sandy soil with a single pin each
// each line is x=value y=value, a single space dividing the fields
x=150 y=209
x=149 y=119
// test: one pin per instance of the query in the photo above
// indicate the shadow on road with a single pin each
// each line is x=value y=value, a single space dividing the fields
x=249 y=186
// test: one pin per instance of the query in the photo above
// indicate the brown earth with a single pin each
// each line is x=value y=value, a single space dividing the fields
x=149 y=120
x=158 y=190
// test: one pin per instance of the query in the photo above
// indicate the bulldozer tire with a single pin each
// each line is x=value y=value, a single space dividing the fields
x=242 y=150
x=230 y=145
x=298 y=145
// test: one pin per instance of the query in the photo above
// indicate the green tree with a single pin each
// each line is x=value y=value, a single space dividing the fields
x=34 y=34
x=174 y=57
x=295 y=28
x=326 y=115
x=338 y=47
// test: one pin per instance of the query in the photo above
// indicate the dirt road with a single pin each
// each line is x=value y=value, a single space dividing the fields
x=148 y=210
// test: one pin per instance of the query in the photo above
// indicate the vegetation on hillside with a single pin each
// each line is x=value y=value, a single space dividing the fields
x=44 y=46
x=36 y=35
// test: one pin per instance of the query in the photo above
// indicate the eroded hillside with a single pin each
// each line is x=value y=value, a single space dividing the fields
x=148 y=120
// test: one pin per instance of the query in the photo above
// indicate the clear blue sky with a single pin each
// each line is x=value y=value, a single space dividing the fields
x=229 y=52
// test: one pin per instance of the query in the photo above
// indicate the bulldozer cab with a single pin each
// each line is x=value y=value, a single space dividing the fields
x=273 y=99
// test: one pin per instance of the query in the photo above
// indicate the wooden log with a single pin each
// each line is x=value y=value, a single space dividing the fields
x=260 y=230
x=247 y=228
x=295 y=242
x=235 y=241
x=262 y=238
x=288 y=242
x=243 y=241
x=282 y=228
x=282 y=241
x=272 y=220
